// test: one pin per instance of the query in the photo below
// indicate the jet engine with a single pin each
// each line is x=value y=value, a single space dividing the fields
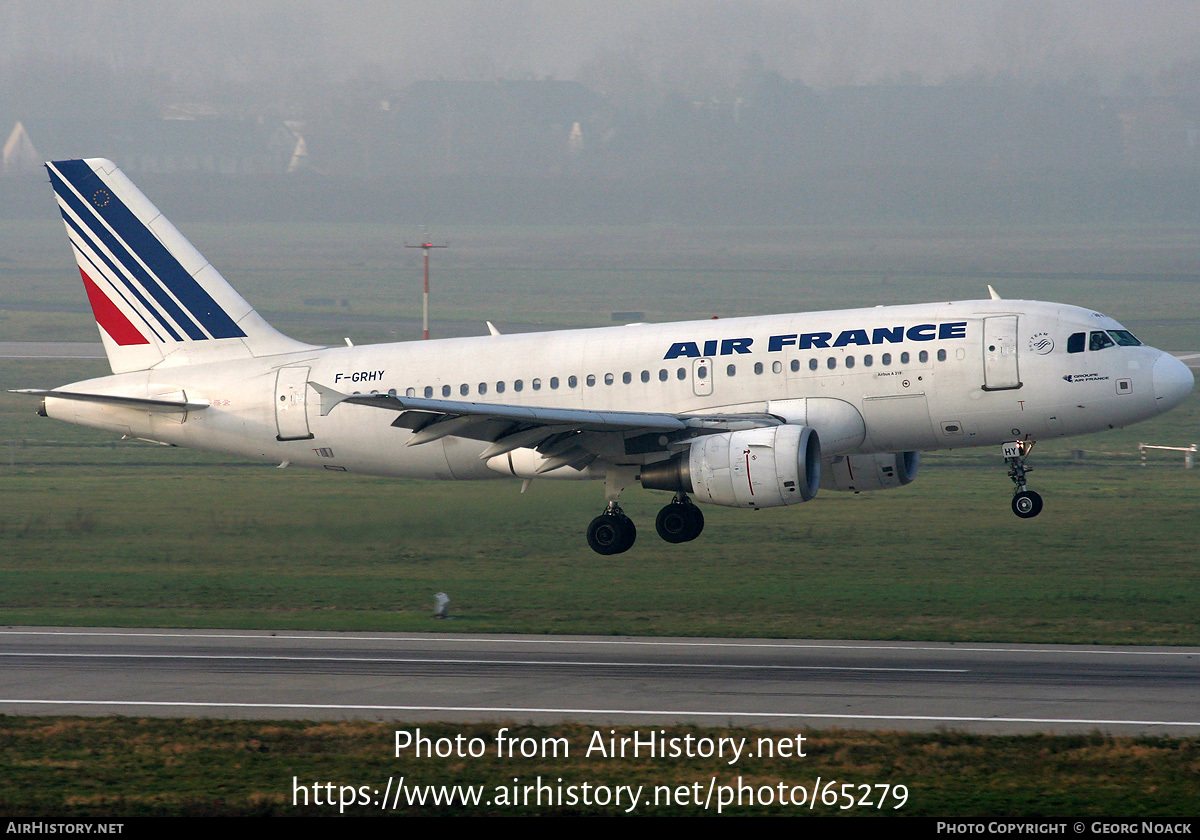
x=856 y=473
x=754 y=468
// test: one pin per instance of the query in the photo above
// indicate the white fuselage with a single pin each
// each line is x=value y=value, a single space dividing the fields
x=922 y=377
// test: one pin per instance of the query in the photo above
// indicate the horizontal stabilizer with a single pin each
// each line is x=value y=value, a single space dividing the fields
x=183 y=405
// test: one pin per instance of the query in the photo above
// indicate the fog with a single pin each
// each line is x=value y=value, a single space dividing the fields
x=620 y=111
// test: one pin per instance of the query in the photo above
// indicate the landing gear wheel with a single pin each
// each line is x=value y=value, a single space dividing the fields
x=679 y=522
x=611 y=533
x=1027 y=504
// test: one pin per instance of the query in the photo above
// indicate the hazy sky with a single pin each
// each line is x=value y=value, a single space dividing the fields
x=671 y=43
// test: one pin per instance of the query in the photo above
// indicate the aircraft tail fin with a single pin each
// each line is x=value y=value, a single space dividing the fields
x=157 y=301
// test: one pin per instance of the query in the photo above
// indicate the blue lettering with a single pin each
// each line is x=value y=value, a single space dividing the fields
x=922 y=332
x=852 y=337
x=710 y=347
x=893 y=335
x=735 y=345
x=683 y=348
x=811 y=340
x=958 y=329
x=777 y=342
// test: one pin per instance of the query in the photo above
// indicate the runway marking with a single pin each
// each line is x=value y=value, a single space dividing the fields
x=418 y=661
x=539 y=710
x=946 y=648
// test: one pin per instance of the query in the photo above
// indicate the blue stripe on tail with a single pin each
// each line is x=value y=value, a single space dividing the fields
x=145 y=244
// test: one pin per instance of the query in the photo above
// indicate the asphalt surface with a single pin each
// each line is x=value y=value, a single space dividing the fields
x=623 y=680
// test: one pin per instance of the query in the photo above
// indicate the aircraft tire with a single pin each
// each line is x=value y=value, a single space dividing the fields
x=679 y=523
x=1027 y=504
x=611 y=533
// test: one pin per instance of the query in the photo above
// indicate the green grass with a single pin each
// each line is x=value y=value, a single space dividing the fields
x=114 y=768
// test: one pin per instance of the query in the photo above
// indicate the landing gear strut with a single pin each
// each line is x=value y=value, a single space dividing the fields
x=612 y=532
x=1026 y=503
x=680 y=521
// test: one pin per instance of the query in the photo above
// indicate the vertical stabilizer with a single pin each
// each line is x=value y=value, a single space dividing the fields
x=157 y=301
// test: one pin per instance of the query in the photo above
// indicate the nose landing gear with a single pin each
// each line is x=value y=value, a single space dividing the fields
x=1026 y=503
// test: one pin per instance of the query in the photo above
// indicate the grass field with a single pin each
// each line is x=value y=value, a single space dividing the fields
x=123 y=767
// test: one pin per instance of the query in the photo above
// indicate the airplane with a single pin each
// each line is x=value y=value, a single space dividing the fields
x=750 y=412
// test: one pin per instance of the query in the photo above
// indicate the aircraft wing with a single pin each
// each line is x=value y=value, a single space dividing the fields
x=558 y=433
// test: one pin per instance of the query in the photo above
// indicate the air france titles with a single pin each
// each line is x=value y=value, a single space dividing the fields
x=820 y=340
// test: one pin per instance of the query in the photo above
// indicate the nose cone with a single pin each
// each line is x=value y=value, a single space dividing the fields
x=1172 y=382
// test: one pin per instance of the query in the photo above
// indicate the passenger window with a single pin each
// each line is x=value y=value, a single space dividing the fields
x=702 y=372
x=868 y=360
x=758 y=368
x=831 y=363
x=731 y=370
x=608 y=379
x=662 y=375
x=518 y=385
x=681 y=373
x=445 y=390
x=499 y=387
x=411 y=392
x=645 y=376
x=904 y=358
x=537 y=384
x=1099 y=340
x=464 y=389
x=795 y=365
x=886 y=358
x=428 y=391
x=812 y=364
x=941 y=355
x=482 y=387
x=777 y=367
x=626 y=377
x=923 y=356
x=849 y=361
x=591 y=380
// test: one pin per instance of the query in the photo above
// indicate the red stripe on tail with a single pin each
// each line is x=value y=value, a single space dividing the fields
x=111 y=319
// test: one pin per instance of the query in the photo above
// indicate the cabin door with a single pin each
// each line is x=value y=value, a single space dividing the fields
x=1000 y=353
x=291 y=404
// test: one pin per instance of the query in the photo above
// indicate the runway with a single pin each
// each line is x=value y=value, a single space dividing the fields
x=619 y=680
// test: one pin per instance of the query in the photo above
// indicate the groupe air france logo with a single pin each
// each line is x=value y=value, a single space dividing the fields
x=1041 y=343
x=101 y=198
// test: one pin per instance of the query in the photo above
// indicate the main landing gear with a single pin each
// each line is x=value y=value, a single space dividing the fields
x=679 y=522
x=612 y=532
x=1026 y=503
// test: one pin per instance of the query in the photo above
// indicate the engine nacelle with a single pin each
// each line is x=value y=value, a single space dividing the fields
x=754 y=468
x=856 y=473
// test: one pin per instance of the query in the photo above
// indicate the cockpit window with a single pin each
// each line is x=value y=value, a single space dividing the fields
x=1125 y=338
x=1076 y=342
x=1099 y=340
